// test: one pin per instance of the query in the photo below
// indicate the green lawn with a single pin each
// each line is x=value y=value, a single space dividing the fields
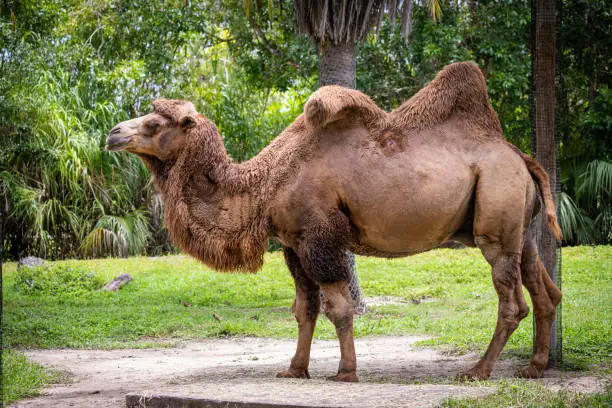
x=22 y=378
x=61 y=308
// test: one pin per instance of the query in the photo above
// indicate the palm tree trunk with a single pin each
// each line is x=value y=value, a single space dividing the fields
x=339 y=67
x=546 y=145
x=338 y=64
x=1 y=244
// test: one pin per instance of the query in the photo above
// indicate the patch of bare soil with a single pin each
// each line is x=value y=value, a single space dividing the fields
x=101 y=378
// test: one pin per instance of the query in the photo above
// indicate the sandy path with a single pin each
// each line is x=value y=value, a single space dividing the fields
x=101 y=378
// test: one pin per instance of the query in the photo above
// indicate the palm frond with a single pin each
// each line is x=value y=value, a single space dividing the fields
x=118 y=236
x=574 y=224
x=603 y=226
x=348 y=21
x=107 y=238
x=596 y=181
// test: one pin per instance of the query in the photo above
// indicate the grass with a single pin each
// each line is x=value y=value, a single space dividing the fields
x=174 y=298
x=531 y=394
x=22 y=378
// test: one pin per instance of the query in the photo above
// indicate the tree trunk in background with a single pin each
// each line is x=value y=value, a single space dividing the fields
x=1 y=249
x=546 y=145
x=338 y=64
x=339 y=67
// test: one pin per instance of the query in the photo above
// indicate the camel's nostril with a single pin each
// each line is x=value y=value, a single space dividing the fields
x=117 y=142
x=115 y=130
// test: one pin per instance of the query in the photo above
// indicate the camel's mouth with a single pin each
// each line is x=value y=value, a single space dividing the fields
x=117 y=143
x=121 y=135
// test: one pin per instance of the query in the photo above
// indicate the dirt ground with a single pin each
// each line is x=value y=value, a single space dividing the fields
x=101 y=378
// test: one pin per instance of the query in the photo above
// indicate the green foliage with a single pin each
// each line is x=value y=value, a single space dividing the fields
x=69 y=74
x=22 y=378
x=587 y=218
x=56 y=280
x=72 y=70
x=120 y=236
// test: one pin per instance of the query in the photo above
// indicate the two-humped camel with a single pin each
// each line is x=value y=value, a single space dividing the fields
x=347 y=175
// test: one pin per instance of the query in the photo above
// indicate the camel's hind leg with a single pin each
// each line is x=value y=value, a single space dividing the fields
x=306 y=308
x=545 y=296
x=499 y=225
x=512 y=307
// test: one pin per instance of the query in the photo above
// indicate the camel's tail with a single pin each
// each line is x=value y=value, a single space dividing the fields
x=541 y=177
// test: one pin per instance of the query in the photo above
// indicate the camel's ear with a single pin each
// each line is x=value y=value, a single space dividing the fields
x=332 y=103
x=187 y=122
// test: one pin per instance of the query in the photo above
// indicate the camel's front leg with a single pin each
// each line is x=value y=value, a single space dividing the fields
x=340 y=310
x=306 y=308
x=322 y=253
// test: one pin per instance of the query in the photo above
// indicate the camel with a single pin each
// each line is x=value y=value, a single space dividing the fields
x=346 y=175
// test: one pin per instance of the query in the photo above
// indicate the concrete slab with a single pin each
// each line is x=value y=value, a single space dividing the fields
x=267 y=393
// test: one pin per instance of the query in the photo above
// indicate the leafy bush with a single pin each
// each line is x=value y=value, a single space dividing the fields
x=586 y=203
x=56 y=279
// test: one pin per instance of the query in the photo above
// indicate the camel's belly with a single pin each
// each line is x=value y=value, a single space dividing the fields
x=411 y=206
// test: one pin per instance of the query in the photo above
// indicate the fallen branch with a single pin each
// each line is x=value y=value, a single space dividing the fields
x=117 y=283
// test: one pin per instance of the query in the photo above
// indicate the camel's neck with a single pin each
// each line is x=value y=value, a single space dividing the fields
x=273 y=166
x=209 y=210
x=214 y=208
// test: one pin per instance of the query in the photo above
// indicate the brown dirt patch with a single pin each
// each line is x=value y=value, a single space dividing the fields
x=101 y=378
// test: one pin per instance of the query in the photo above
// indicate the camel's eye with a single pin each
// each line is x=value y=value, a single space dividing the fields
x=153 y=125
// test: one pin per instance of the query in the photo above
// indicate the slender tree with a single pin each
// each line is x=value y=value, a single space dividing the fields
x=543 y=75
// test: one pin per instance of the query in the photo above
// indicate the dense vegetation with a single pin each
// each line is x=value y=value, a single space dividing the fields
x=71 y=69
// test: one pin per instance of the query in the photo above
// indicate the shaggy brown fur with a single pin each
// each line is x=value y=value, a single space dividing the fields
x=347 y=175
x=214 y=206
x=332 y=103
x=460 y=89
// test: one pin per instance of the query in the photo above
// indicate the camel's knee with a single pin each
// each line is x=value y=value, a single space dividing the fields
x=338 y=305
x=341 y=319
x=555 y=296
x=340 y=314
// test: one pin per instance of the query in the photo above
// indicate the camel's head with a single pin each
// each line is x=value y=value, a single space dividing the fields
x=161 y=134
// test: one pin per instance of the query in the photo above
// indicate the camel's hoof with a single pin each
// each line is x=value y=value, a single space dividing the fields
x=475 y=374
x=531 y=372
x=294 y=373
x=344 y=377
